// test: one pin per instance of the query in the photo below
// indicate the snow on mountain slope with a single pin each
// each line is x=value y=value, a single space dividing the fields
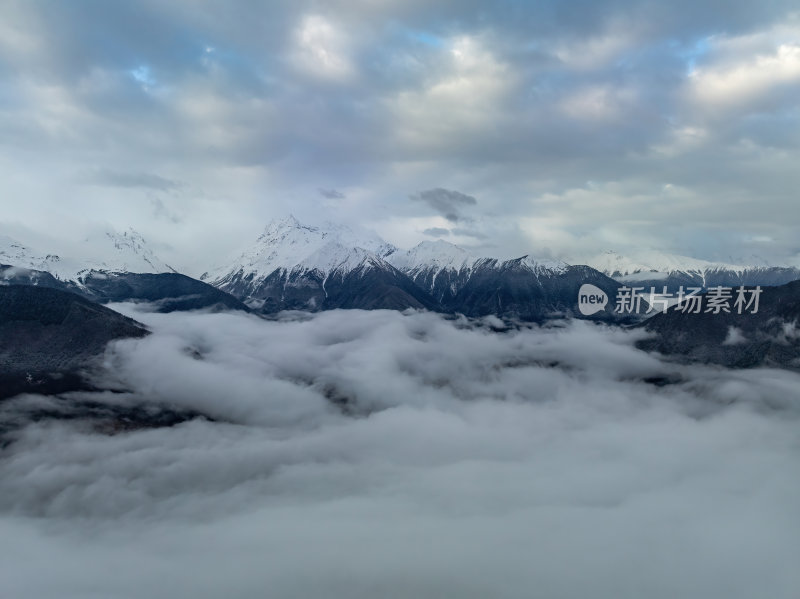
x=441 y=255
x=431 y=254
x=540 y=266
x=336 y=257
x=14 y=253
x=122 y=252
x=444 y=270
x=673 y=271
x=299 y=267
x=651 y=263
x=288 y=245
x=108 y=251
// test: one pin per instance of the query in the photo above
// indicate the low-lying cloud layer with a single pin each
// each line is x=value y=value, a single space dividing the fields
x=379 y=454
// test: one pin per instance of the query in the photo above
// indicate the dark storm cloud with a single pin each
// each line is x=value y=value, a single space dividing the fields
x=449 y=203
x=486 y=471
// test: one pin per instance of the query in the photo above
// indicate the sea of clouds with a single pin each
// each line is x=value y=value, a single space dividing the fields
x=380 y=454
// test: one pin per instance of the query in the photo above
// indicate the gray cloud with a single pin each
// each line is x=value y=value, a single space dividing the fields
x=132 y=180
x=160 y=210
x=449 y=203
x=469 y=233
x=331 y=194
x=436 y=232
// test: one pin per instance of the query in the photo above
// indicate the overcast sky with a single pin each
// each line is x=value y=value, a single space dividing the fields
x=511 y=127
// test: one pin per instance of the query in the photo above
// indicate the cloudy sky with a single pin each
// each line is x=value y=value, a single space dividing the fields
x=511 y=127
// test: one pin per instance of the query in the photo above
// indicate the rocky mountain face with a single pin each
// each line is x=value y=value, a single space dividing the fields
x=167 y=292
x=51 y=343
x=48 y=337
x=769 y=337
x=16 y=275
x=523 y=288
x=518 y=289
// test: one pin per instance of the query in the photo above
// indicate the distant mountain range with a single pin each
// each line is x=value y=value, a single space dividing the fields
x=659 y=269
x=52 y=328
x=294 y=266
x=298 y=267
x=127 y=271
x=111 y=252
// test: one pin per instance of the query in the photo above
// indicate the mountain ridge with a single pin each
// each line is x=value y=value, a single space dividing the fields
x=652 y=268
x=295 y=266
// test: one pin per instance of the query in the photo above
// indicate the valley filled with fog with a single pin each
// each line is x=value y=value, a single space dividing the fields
x=378 y=453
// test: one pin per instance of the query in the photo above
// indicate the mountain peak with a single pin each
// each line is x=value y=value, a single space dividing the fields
x=291 y=221
x=281 y=225
x=14 y=253
x=287 y=244
x=105 y=250
x=121 y=251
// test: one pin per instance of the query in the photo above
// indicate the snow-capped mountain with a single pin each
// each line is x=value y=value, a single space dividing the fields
x=123 y=252
x=287 y=245
x=651 y=261
x=655 y=268
x=114 y=267
x=296 y=266
x=441 y=256
x=106 y=252
x=444 y=269
x=438 y=255
x=13 y=253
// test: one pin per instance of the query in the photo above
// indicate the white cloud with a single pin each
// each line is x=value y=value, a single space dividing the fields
x=481 y=471
x=598 y=103
x=682 y=140
x=465 y=99
x=322 y=49
x=750 y=80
